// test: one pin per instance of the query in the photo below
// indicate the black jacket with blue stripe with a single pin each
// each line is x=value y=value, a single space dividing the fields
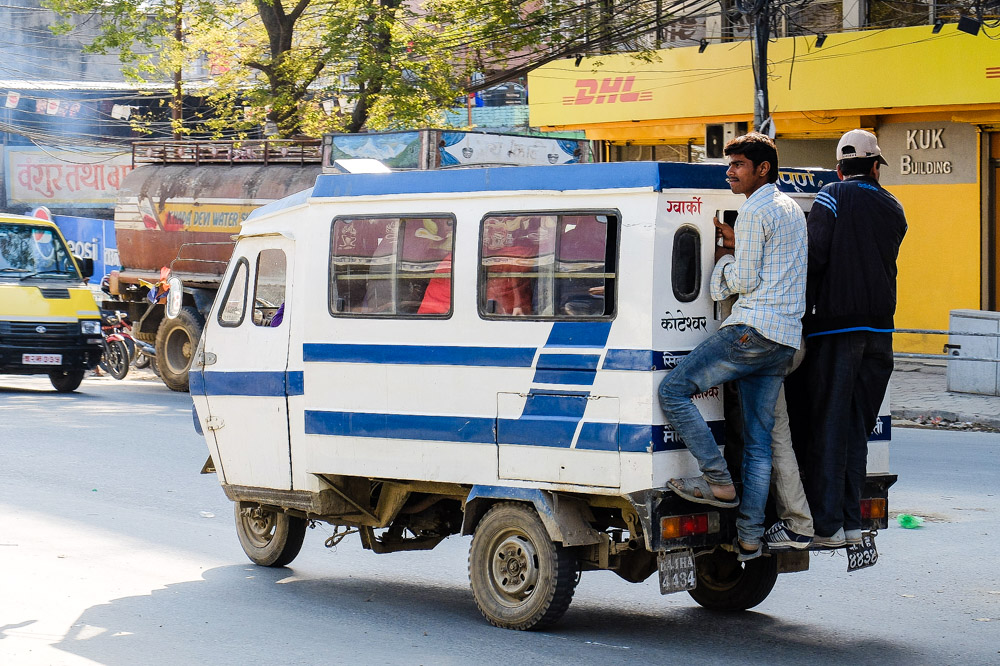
x=855 y=229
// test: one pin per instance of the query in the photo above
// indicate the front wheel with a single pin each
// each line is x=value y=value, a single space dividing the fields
x=116 y=359
x=269 y=538
x=519 y=577
x=728 y=585
x=176 y=341
x=66 y=381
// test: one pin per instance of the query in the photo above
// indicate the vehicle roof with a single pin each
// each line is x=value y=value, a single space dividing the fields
x=598 y=176
x=26 y=219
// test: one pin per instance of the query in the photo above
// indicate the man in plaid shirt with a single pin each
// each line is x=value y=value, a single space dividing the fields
x=753 y=348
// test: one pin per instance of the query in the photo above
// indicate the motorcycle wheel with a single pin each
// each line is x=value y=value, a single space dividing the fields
x=105 y=353
x=117 y=359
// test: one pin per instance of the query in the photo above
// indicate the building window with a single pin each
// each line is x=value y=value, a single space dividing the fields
x=685 y=269
x=391 y=266
x=548 y=265
x=234 y=303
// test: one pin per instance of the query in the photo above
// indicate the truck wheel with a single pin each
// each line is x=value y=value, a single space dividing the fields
x=519 y=577
x=728 y=585
x=269 y=538
x=66 y=381
x=176 y=341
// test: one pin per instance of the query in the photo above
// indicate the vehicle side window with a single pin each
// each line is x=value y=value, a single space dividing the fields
x=234 y=304
x=269 y=294
x=548 y=265
x=685 y=269
x=391 y=266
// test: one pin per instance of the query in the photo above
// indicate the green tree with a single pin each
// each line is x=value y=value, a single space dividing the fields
x=311 y=66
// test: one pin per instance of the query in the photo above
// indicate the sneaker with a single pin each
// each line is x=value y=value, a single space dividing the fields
x=780 y=537
x=744 y=555
x=852 y=537
x=835 y=540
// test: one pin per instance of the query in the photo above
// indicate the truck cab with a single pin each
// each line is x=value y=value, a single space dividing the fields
x=49 y=322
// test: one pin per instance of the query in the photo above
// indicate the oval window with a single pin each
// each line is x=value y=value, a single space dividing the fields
x=685 y=271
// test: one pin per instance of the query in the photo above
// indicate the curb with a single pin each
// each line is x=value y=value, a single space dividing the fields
x=945 y=415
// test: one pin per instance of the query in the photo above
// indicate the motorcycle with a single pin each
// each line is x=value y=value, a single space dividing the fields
x=121 y=349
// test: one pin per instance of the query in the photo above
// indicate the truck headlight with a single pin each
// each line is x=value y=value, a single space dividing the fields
x=90 y=327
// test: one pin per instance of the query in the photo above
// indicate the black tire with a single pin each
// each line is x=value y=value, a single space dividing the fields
x=66 y=381
x=728 y=585
x=130 y=346
x=105 y=352
x=519 y=577
x=116 y=358
x=176 y=341
x=269 y=538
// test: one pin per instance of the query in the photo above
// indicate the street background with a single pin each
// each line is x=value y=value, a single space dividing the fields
x=116 y=551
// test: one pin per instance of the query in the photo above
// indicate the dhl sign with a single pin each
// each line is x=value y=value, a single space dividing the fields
x=610 y=90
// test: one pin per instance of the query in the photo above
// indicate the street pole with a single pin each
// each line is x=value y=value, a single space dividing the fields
x=761 y=32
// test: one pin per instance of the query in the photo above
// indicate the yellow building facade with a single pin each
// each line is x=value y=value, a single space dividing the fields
x=933 y=99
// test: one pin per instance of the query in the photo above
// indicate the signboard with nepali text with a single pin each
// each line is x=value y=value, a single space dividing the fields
x=53 y=177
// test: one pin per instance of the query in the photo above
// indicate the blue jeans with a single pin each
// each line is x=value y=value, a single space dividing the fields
x=757 y=366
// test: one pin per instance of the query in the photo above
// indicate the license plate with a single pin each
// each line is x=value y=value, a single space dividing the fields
x=677 y=571
x=41 y=359
x=862 y=555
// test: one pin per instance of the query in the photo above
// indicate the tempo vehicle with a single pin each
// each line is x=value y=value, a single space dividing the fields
x=477 y=352
x=49 y=322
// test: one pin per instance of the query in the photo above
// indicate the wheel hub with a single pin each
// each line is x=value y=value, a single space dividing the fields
x=515 y=572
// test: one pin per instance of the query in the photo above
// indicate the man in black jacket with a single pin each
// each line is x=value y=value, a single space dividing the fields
x=855 y=229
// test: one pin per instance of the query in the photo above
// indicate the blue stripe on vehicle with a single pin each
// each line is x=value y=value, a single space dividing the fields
x=565 y=377
x=466 y=429
x=642 y=360
x=638 y=438
x=547 y=420
x=259 y=383
x=567 y=177
x=498 y=357
x=567 y=361
x=598 y=437
x=579 y=334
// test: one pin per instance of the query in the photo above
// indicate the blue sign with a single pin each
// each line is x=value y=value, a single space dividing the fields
x=91 y=238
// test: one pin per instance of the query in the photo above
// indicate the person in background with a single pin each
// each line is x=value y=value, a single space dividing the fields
x=855 y=230
x=766 y=271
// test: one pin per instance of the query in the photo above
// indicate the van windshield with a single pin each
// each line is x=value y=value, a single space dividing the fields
x=29 y=251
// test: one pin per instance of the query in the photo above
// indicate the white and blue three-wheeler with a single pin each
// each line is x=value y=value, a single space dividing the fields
x=415 y=355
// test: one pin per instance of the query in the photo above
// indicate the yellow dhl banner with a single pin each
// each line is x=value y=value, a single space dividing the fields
x=867 y=70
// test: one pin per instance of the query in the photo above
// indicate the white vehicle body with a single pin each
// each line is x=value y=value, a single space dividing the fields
x=472 y=405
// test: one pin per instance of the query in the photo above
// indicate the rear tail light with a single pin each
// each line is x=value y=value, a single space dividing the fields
x=873 y=508
x=673 y=527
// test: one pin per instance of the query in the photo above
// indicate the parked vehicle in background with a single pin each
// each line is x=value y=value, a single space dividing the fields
x=49 y=322
x=184 y=201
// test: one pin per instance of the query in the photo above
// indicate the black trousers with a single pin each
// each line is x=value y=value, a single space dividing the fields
x=846 y=375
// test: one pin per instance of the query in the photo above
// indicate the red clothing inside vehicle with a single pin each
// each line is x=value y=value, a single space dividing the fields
x=437 y=296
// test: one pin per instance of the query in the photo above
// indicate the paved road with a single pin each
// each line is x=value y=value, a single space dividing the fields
x=115 y=551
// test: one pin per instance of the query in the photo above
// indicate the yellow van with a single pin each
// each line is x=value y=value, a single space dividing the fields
x=49 y=322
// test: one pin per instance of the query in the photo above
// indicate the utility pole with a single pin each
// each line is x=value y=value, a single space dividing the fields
x=761 y=33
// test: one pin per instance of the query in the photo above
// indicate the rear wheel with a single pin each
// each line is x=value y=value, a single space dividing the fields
x=176 y=341
x=66 y=381
x=728 y=585
x=520 y=578
x=269 y=538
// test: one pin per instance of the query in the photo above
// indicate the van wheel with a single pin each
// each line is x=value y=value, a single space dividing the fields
x=269 y=538
x=728 y=585
x=176 y=341
x=519 y=577
x=66 y=381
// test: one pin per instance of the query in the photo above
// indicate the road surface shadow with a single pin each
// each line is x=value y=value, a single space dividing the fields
x=244 y=614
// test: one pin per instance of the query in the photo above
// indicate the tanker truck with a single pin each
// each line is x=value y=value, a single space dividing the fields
x=180 y=209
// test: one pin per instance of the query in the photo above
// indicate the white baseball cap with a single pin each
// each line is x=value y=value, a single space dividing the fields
x=859 y=143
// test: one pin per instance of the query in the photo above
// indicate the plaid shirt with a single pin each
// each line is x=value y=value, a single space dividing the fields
x=768 y=271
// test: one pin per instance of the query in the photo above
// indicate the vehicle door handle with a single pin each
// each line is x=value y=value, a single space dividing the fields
x=207 y=358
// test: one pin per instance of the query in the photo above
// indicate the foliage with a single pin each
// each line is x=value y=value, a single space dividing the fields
x=314 y=66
